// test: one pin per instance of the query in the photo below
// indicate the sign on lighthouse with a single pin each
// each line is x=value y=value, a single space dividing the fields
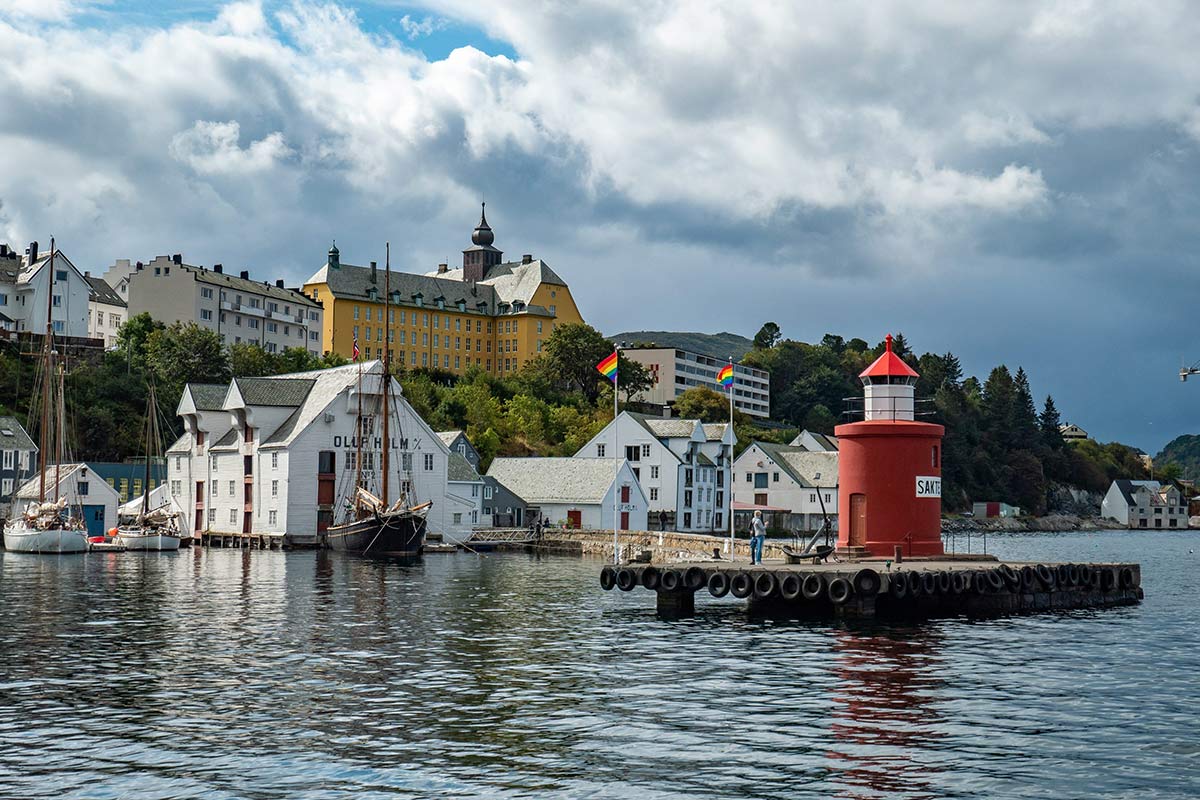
x=929 y=486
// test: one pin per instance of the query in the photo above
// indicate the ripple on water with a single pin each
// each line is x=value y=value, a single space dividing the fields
x=268 y=675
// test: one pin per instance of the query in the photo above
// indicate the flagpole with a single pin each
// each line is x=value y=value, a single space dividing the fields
x=731 y=475
x=616 y=460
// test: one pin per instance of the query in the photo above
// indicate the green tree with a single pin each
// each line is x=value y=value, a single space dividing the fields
x=634 y=378
x=1168 y=473
x=570 y=355
x=704 y=404
x=1025 y=416
x=1051 y=426
x=185 y=354
x=767 y=337
x=132 y=337
x=247 y=360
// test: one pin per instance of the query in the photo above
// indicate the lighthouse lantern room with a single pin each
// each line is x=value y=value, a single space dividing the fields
x=890 y=468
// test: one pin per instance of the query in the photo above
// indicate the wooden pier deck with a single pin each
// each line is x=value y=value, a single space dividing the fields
x=252 y=541
x=975 y=586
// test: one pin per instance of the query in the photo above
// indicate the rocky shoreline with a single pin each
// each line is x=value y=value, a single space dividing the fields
x=1053 y=523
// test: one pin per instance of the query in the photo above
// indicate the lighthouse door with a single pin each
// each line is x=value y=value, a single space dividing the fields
x=858 y=520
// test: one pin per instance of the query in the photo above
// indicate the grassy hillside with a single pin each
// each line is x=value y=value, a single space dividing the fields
x=717 y=345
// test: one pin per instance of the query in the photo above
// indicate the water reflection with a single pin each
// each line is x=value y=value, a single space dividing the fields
x=884 y=714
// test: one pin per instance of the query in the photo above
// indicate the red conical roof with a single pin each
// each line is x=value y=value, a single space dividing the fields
x=888 y=364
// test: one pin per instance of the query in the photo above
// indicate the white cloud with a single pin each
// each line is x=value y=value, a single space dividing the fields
x=426 y=26
x=212 y=148
x=47 y=10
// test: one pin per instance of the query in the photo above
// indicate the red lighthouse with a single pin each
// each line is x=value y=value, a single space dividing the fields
x=890 y=468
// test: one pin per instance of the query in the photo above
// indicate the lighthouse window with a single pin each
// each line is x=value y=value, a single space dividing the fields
x=935 y=456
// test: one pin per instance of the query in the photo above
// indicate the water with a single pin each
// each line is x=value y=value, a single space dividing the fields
x=229 y=674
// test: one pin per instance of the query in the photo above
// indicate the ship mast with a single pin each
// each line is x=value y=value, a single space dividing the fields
x=151 y=425
x=387 y=366
x=47 y=377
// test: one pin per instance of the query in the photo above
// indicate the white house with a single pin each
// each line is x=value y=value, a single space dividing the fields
x=1071 y=432
x=575 y=491
x=23 y=293
x=767 y=475
x=682 y=466
x=815 y=442
x=1145 y=504
x=106 y=311
x=279 y=455
x=87 y=495
x=465 y=488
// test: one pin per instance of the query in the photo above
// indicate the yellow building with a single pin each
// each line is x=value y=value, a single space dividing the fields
x=490 y=313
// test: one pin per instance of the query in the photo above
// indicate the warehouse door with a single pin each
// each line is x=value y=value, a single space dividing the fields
x=858 y=520
x=575 y=518
x=94 y=517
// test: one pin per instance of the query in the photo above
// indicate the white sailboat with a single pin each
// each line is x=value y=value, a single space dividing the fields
x=48 y=525
x=158 y=528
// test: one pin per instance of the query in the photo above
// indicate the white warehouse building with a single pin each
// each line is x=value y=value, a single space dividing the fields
x=278 y=455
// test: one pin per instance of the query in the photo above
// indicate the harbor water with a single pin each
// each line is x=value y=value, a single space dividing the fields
x=265 y=674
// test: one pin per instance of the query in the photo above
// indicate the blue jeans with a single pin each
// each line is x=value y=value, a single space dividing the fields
x=756 y=544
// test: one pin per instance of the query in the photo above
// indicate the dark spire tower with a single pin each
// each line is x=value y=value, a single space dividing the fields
x=480 y=256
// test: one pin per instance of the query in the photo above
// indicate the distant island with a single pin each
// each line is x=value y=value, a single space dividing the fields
x=718 y=345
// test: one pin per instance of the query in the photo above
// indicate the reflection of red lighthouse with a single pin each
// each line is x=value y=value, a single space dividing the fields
x=890 y=468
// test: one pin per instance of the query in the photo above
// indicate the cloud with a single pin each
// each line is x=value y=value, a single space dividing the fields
x=426 y=26
x=212 y=148
x=814 y=163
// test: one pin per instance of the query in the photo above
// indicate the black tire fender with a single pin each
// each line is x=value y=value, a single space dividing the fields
x=813 y=586
x=742 y=585
x=694 y=578
x=670 y=580
x=790 y=585
x=839 y=591
x=626 y=579
x=867 y=582
x=765 y=585
x=898 y=585
x=650 y=578
x=608 y=578
x=945 y=583
x=929 y=583
x=995 y=580
x=1127 y=578
x=718 y=584
x=915 y=584
x=1045 y=575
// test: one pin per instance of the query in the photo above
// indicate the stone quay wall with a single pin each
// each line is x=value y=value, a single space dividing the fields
x=664 y=546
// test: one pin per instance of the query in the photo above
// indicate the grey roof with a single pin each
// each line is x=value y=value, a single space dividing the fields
x=714 y=431
x=287 y=391
x=228 y=441
x=326 y=384
x=30 y=489
x=675 y=428
x=236 y=282
x=208 y=396
x=555 y=480
x=103 y=293
x=1128 y=488
x=704 y=460
x=513 y=280
x=449 y=437
x=459 y=469
x=13 y=435
x=823 y=441
x=352 y=282
x=802 y=465
x=182 y=445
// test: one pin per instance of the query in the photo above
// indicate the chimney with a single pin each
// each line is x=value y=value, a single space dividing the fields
x=3 y=251
x=279 y=283
x=245 y=275
x=33 y=252
x=140 y=265
x=217 y=268
x=443 y=269
x=87 y=273
x=666 y=411
x=374 y=271
x=177 y=259
x=527 y=258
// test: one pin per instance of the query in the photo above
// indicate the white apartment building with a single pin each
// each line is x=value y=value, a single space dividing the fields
x=239 y=309
x=675 y=371
x=796 y=479
x=278 y=455
x=106 y=311
x=24 y=283
x=682 y=466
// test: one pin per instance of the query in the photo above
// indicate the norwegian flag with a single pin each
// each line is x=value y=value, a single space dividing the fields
x=355 y=348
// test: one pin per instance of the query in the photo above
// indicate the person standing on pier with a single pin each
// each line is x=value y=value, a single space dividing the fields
x=758 y=533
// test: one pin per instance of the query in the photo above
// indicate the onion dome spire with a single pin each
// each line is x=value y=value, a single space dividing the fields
x=483 y=235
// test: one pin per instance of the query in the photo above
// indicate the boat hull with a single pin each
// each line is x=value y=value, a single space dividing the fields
x=391 y=536
x=136 y=540
x=54 y=541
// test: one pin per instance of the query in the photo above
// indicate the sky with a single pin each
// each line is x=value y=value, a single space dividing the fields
x=1014 y=181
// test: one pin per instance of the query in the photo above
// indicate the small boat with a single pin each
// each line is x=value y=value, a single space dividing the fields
x=48 y=526
x=152 y=529
x=45 y=528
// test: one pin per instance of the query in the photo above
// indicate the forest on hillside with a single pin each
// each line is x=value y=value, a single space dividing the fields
x=1000 y=444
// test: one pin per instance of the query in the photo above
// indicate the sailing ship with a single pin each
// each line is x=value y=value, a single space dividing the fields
x=48 y=525
x=158 y=528
x=374 y=525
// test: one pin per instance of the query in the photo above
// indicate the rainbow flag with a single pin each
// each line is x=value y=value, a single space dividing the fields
x=725 y=376
x=608 y=367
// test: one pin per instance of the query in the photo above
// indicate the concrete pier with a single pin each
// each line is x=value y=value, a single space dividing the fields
x=868 y=588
